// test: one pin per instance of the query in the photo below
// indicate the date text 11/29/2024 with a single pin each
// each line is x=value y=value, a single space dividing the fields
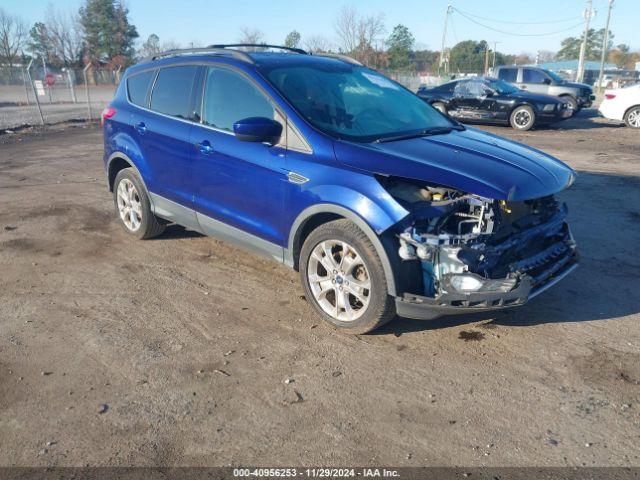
x=315 y=472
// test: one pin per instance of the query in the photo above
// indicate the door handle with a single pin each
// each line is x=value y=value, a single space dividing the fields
x=523 y=87
x=141 y=128
x=205 y=147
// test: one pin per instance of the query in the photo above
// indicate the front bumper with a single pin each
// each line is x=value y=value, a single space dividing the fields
x=534 y=274
x=586 y=101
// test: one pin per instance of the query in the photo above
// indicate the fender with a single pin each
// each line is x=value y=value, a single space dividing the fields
x=309 y=212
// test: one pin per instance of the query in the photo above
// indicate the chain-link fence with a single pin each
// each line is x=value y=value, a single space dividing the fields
x=39 y=95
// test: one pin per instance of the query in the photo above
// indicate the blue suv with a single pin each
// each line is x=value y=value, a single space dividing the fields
x=383 y=204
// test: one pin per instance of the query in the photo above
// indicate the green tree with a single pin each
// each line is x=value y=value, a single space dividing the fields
x=468 y=57
x=399 y=47
x=151 y=46
x=107 y=31
x=292 y=40
x=39 y=41
x=570 y=47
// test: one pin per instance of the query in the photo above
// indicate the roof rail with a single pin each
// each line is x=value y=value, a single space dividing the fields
x=195 y=51
x=260 y=45
x=338 y=56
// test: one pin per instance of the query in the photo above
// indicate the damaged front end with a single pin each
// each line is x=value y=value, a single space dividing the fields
x=474 y=253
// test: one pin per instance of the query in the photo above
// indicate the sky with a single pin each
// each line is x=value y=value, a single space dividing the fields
x=204 y=22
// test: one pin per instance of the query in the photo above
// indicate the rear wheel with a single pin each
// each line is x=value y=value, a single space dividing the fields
x=343 y=278
x=522 y=118
x=632 y=117
x=133 y=206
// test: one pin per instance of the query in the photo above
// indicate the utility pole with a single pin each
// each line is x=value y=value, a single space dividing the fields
x=605 y=44
x=583 y=48
x=486 y=59
x=495 y=48
x=443 y=61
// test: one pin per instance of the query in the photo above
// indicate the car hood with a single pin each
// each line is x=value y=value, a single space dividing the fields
x=576 y=85
x=471 y=161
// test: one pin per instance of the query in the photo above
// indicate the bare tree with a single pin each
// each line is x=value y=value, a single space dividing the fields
x=13 y=35
x=65 y=36
x=251 y=35
x=360 y=35
x=317 y=44
x=346 y=27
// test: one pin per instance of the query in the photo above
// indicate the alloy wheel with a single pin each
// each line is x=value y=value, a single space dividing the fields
x=634 y=118
x=522 y=118
x=129 y=205
x=339 y=280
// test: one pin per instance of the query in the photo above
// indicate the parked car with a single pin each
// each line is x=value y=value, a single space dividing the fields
x=489 y=100
x=622 y=104
x=384 y=205
x=540 y=80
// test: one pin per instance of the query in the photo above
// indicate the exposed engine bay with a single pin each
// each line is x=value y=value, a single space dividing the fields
x=473 y=250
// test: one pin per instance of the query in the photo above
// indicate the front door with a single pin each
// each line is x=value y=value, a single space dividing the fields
x=239 y=186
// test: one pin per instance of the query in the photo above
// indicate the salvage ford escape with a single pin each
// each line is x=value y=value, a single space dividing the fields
x=383 y=204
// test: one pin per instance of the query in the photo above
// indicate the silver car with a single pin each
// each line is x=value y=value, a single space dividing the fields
x=540 y=80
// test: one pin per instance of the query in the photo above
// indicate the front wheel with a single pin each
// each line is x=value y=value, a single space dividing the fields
x=343 y=278
x=632 y=117
x=522 y=118
x=572 y=104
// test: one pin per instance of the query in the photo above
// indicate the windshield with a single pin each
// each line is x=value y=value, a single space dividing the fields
x=556 y=78
x=352 y=102
x=503 y=87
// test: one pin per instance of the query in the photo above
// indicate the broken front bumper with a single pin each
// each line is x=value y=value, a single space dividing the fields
x=426 y=308
x=532 y=276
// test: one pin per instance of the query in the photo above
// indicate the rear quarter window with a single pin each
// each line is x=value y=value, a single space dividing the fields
x=508 y=74
x=138 y=87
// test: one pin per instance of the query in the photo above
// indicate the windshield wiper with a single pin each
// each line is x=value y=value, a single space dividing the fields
x=422 y=133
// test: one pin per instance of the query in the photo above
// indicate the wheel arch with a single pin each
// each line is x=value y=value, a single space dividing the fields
x=316 y=215
x=628 y=110
x=118 y=161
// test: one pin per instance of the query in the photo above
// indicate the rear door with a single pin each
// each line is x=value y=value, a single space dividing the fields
x=239 y=186
x=165 y=134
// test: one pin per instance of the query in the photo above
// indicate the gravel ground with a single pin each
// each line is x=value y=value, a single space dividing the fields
x=184 y=350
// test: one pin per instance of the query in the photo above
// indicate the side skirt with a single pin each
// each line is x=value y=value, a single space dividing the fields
x=193 y=220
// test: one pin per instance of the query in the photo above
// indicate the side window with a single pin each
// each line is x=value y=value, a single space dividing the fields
x=532 y=76
x=470 y=89
x=172 y=91
x=508 y=74
x=138 y=86
x=230 y=96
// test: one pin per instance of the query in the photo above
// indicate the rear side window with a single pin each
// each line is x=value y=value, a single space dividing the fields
x=230 y=96
x=508 y=74
x=533 y=76
x=138 y=86
x=172 y=91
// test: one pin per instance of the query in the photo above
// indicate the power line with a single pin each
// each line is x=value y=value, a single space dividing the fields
x=546 y=22
x=572 y=27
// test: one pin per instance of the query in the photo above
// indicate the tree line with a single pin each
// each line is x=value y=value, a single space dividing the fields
x=100 y=32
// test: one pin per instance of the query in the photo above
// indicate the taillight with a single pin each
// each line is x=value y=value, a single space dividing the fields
x=107 y=113
x=609 y=96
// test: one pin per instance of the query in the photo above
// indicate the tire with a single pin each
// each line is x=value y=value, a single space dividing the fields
x=133 y=206
x=632 y=117
x=440 y=107
x=573 y=104
x=340 y=295
x=522 y=118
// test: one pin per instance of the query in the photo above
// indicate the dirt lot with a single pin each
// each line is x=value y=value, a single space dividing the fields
x=184 y=343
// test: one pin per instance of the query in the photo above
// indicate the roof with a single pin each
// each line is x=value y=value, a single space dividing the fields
x=572 y=65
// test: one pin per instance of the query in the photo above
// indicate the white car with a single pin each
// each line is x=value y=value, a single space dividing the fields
x=622 y=104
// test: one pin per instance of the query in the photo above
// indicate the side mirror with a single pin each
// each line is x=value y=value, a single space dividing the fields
x=258 y=129
x=489 y=93
x=547 y=81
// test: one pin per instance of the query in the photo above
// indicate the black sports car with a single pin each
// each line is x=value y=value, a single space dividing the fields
x=489 y=100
